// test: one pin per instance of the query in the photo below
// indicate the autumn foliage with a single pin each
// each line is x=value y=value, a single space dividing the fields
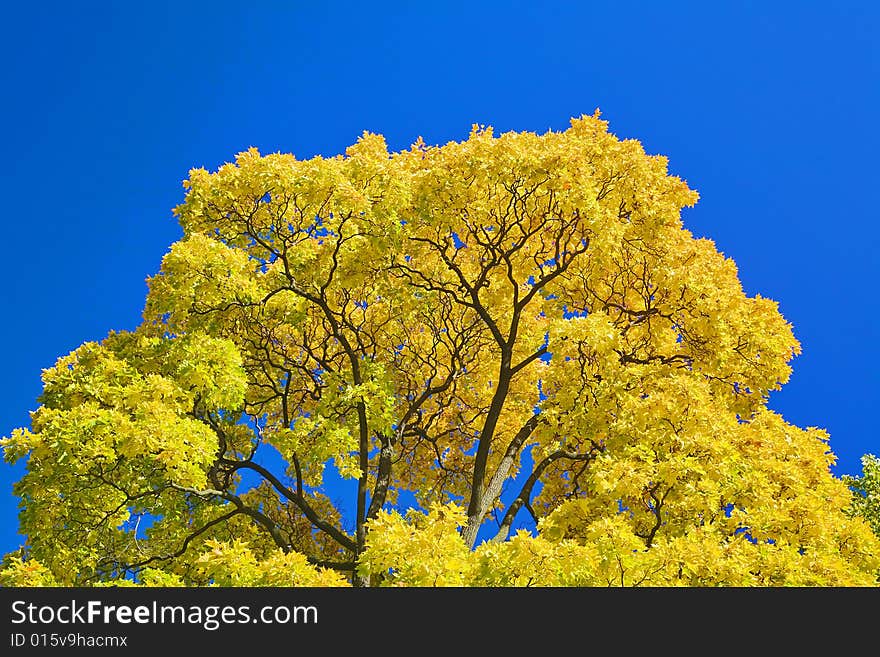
x=516 y=330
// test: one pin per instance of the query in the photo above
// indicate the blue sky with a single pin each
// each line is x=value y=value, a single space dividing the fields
x=769 y=110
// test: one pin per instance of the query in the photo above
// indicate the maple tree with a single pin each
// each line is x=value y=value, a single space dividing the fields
x=866 y=492
x=505 y=327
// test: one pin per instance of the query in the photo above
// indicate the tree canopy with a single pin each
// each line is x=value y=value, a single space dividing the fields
x=516 y=332
x=866 y=492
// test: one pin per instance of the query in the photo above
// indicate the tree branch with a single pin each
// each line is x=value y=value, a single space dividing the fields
x=299 y=500
x=525 y=495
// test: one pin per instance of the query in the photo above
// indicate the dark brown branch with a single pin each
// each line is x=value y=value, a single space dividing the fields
x=476 y=508
x=256 y=515
x=655 y=507
x=183 y=548
x=471 y=290
x=299 y=500
x=525 y=495
x=493 y=490
x=529 y=359
x=383 y=477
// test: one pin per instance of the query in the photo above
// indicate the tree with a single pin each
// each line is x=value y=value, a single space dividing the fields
x=866 y=492
x=508 y=327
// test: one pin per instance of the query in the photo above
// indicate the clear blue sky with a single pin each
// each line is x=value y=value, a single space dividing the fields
x=769 y=110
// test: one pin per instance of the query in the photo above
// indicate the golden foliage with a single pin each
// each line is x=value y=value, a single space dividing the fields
x=513 y=323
